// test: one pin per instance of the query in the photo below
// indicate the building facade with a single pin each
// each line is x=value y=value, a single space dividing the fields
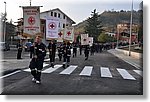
x=123 y=30
x=64 y=21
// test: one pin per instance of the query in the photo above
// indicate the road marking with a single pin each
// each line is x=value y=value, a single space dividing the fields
x=10 y=74
x=48 y=59
x=50 y=70
x=105 y=72
x=87 y=71
x=138 y=72
x=29 y=70
x=125 y=74
x=69 y=70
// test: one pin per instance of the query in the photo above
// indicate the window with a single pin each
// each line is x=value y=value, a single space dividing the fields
x=55 y=14
x=64 y=16
x=51 y=13
x=59 y=25
x=63 y=25
x=58 y=15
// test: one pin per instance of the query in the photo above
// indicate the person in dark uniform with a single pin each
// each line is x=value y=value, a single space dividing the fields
x=80 y=48
x=60 y=52
x=74 y=49
x=86 y=52
x=66 y=54
x=52 y=51
x=36 y=64
x=92 y=49
x=32 y=50
x=20 y=47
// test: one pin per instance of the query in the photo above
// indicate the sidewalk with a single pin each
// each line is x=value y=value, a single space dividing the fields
x=11 y=63
x=132 y=61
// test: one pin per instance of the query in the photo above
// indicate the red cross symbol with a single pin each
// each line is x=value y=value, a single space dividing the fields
x=31 y=20
x=52 y=25
x=84 y=39
x=60 y=34
x=69 y=33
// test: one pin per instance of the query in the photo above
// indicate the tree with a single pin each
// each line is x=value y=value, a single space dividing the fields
x=103 y=38
x=93 y=27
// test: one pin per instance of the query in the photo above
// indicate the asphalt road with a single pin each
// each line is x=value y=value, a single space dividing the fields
x=107 y=75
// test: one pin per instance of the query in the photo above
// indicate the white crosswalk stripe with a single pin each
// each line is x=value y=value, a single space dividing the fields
x=50 y=70
x=125 y=74
x=28 y=70
x=105 y=72
x=87 y=71
x=69 y=70
x=138 y=72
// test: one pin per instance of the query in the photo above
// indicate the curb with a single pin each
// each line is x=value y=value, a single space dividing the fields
x=129 y=62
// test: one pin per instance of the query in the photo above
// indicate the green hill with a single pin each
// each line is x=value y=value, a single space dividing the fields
x=112 y=18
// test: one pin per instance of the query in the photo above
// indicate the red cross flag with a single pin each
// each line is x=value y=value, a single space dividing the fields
x=69 y=33
x=31 y=17
x=52 y=28
x=90 y=41
x=84 y=39
x=60 y=36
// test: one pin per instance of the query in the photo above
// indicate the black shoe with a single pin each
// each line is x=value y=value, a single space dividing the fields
x=68 y=65
x=64 y=66
x=52 y=65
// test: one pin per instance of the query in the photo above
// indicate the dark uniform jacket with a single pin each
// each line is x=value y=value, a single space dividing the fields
x=52 y=48
x=40 y=52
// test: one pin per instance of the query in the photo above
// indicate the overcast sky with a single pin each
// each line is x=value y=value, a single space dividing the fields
x=78 y=10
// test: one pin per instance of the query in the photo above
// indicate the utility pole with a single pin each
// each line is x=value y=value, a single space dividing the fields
x=30 y=2
x=5 y=22
x=130 y=30
x=118 y=31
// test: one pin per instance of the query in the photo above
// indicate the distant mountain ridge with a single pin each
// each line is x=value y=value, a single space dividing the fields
x=112 y=18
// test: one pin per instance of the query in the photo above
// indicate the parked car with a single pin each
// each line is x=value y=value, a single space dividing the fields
x=4 y=46
x=27 y=46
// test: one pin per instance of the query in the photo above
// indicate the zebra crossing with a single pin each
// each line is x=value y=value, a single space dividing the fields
x=104 y=72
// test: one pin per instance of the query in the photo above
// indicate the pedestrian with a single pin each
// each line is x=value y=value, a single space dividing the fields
x=20 y=47
x=66 y=54
x=60 y=51
x=74 y=49
x=36 y=64
x=80 y=48
x=86 y=52
x=92 y=49
x=32 y=50
x=52 y=51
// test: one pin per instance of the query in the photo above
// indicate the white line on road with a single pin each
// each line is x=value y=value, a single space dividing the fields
x=28 y=70
x=105 y=72
x=69 y=70
x=50 y=70
x=10 y=74
x=87 y=71
x=138 y=72
x=125 y=74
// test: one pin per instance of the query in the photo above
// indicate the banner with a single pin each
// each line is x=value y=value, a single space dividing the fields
x=52 y=28
x=31 y=19
x=90 y=41
x=60 y=36
x=69 y=33
x=84 y=39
